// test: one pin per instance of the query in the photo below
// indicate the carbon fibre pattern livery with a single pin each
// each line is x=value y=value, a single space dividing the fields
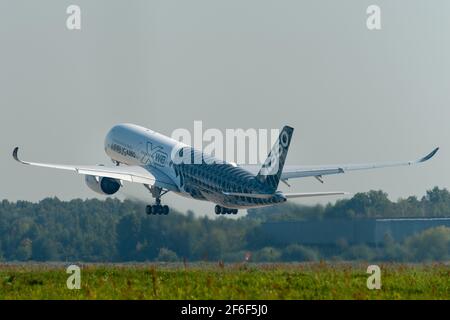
x=212 y=182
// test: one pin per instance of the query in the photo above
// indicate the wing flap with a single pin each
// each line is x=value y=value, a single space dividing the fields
x=130 y=174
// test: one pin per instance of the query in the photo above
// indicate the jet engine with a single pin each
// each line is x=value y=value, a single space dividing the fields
x=102 y=185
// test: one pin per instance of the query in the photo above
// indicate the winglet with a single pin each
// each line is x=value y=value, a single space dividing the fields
x=16 y=157
x=429 y=156
x=15 y=152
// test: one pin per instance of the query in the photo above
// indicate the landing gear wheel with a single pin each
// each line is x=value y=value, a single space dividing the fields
x=157 y=208
x=221 y=210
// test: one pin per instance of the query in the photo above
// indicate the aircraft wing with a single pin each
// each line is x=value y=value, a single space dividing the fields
x=291 y=172
x=135 y=174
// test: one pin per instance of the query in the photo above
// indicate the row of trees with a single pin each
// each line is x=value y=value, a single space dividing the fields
x=113 y=230
x=372 y=204
x=430 y=245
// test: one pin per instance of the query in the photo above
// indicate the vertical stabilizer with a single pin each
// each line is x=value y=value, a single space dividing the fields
x=273 y=166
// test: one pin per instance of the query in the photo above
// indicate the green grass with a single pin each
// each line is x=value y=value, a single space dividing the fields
x=218 y=281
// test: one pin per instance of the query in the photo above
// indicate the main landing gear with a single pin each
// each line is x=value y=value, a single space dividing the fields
x=221 y=210
x=157 y=208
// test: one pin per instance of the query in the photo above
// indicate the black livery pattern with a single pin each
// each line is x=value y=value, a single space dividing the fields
x=211 y=181
x=271 y=170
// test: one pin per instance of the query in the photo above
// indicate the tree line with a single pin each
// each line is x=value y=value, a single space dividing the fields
x=112 y=230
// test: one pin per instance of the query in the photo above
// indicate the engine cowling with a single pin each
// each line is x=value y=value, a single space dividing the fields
x=102 y=185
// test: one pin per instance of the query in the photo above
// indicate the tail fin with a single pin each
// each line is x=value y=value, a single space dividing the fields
x=273 y=166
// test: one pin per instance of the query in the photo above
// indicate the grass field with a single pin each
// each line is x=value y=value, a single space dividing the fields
x=218 y=281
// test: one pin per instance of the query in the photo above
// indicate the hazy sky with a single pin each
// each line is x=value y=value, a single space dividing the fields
x=353 y=95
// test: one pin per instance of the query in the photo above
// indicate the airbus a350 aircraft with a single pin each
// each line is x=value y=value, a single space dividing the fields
x=152 y=159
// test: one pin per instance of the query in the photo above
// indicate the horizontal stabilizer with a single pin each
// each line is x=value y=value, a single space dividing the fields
x=287 y=196
x=314 y=194
x=250 y=195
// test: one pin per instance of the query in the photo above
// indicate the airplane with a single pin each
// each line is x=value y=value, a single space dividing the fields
x=165 y=165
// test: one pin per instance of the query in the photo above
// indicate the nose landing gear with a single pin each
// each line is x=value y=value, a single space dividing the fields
x=221 y=210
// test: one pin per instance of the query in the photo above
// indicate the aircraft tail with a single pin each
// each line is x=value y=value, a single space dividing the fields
x=273 y=166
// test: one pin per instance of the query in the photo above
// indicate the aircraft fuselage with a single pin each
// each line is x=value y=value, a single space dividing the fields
x=202 y=177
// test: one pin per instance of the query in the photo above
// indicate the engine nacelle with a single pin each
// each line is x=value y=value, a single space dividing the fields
x=102 y=185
